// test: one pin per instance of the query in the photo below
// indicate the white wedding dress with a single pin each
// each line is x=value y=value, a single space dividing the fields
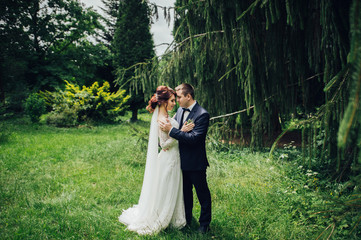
x=161 y=200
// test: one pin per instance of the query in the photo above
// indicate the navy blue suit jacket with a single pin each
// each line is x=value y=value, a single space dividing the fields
x=192 y=145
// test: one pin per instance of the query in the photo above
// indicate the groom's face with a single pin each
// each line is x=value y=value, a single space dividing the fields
x=183 y=100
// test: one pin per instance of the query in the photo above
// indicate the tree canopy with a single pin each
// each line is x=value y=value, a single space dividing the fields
x=43 y=42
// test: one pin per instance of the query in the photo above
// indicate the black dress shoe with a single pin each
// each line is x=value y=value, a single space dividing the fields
x=204 y=229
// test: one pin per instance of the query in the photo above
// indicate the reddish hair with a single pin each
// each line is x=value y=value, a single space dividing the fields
x=161 y=95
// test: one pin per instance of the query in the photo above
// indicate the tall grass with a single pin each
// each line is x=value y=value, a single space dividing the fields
x=72 y=183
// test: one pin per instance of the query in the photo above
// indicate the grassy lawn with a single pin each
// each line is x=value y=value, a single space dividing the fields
x=72 y=183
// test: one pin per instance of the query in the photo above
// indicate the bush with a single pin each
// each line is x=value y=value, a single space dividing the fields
x=35 y=107
x=87 y=104
x=67 y=117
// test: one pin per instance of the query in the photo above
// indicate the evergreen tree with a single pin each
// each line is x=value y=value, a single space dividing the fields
x=132 y=44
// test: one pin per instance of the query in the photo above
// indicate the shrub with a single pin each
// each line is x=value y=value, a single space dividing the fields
x=63 y=117
x=35 y=107
x=94 y=103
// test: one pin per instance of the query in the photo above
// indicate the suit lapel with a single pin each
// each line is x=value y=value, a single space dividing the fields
x=179 y=115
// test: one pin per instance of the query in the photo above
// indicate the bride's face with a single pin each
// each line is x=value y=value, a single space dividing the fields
x=171 y=103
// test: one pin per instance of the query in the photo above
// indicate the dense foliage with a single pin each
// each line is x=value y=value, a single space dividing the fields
x=45 y=42
x=35 y=107
x=87 y=104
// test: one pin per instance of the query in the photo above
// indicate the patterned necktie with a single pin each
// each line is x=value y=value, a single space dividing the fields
x=184 y=110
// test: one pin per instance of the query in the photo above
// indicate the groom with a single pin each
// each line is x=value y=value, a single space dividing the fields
x=193 y=156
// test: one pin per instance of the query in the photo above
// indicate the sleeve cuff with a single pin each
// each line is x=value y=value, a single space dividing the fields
x=170 y=131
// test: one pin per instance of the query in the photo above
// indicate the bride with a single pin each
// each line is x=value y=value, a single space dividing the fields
x=161 y=200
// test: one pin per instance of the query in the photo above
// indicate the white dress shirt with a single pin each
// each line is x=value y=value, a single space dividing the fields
x=186 y=113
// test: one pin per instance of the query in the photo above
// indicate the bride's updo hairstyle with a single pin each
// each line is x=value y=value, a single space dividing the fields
x=162 y=95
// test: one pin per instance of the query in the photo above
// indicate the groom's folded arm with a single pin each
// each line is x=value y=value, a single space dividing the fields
x=197 y=134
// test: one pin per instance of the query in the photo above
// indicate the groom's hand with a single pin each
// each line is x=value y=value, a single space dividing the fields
x=165 y=125
x=187 y=127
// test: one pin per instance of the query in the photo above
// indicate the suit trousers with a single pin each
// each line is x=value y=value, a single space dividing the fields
x=198 y=179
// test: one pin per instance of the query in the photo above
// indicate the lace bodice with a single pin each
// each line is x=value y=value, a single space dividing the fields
x=166 y=142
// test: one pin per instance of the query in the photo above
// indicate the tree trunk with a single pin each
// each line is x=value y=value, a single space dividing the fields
x=134 y=115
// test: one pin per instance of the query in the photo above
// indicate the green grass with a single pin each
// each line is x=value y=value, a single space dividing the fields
x=72 y=183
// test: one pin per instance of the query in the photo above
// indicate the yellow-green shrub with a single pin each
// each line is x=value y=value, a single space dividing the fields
x=94 y=103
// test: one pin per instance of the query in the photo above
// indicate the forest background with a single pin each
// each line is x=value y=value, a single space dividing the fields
x=267 y=71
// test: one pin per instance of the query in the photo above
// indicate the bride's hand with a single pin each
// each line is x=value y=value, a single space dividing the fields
x=187 y=127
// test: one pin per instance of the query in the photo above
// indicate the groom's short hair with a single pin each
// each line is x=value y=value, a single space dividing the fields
x=186 y=89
